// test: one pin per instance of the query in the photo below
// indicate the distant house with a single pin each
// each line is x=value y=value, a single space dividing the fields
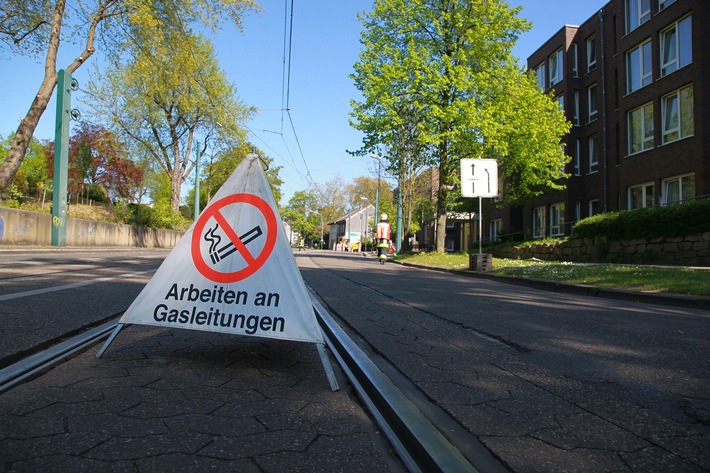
x=352 y=228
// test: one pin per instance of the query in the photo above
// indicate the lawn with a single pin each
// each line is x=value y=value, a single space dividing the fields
x=629 y=277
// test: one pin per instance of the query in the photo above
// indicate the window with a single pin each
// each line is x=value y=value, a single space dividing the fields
x=641 y=128
x=592 y=101
x=576 y=157
x=574 y=54
x=678 y=189
x=591 y=53
x=593 y=154
x=556 y=72
x=450 y=245
x=642 y=196
x=664 y=4
x=677 y=113
x=638 y=12
x=496 y=229
x=676 y=46
x=540 y=74
x=560 y=100
x=578 y=210
x=557 y=219
x=538 y=222
x=575 y=108
x=638 y=67
x=593 y=205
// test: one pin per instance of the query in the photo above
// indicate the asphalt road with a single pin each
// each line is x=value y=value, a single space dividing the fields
x=547 y=381
x=47 y=294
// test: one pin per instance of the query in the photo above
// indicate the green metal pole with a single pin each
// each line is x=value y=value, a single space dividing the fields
x=61 y=159
x=399 y=217
x=197 y=181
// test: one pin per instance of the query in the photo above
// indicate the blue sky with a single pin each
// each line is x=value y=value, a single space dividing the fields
x=324 y=48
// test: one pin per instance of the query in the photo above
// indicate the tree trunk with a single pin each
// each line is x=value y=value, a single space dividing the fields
x=28 y=125
x=23 y=135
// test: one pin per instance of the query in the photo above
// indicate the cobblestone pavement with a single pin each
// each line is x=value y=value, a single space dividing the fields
x=180 y=400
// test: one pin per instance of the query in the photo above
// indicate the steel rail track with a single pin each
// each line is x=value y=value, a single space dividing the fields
x=34 y=364
x=416 y=440
x=420 y=445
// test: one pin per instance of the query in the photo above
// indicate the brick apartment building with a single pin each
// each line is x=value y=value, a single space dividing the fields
x=634 y=82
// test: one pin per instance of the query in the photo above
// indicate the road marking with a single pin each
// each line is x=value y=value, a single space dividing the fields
x=19 y=295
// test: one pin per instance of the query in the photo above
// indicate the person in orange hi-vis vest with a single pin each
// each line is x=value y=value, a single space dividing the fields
x=383 y=233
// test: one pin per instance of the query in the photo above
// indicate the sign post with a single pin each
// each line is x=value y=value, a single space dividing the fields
x=479 y=178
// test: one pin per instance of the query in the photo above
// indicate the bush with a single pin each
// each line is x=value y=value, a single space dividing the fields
x=689 y=218
x=159 y=216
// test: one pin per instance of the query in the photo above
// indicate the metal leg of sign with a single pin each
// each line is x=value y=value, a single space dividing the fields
x=109 y=340
x=327 y=366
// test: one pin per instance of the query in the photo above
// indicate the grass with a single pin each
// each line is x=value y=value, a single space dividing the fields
x=628 y=277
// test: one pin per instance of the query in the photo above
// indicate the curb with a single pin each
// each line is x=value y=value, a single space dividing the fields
x=676 y=300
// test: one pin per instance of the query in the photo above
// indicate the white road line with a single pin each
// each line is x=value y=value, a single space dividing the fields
x=35 y=292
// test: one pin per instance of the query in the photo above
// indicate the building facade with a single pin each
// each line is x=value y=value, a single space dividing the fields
x=633 y=81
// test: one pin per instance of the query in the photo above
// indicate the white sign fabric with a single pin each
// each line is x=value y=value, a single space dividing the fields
x=233 y=271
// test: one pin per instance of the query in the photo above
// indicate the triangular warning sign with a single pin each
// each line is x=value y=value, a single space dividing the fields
x=233 y=271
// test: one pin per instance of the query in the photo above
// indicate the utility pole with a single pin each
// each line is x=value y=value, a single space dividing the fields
x=65 y=85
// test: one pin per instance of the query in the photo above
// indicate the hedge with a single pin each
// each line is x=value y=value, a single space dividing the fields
x=691 y=218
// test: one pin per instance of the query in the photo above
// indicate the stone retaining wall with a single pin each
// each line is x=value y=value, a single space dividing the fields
x=684 y=251
x=20 y=227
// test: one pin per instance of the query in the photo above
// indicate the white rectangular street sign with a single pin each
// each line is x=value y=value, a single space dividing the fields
x=479 y=177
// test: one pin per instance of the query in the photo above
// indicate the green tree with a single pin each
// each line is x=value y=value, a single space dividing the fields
x=32 y=177
x=447 y=65
x=168 y=96
x=215 y=172
x=38 y=27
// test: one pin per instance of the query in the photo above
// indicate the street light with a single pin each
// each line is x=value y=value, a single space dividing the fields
x=377 y=196
x=367 y=228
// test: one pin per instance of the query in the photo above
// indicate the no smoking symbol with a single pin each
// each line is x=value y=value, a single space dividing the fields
x=220 y=251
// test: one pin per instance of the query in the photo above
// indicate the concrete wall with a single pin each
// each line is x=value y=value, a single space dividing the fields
x=685 y=251
x=19 y=227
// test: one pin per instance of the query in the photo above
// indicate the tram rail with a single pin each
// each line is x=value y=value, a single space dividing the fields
x=419 y=444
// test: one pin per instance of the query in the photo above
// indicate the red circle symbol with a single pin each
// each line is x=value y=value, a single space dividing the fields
x=253 y=263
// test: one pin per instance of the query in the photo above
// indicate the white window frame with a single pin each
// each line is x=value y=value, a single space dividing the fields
x=591 y=204
x=557 y=219
x=575 y=59
x=591 y=53
x=496 y=229
x=577 y=156
x=648 y=195
x=663 y=4
x=592 y=104
x=593 y=148
x=681 y=48
x=449 y=245
x=673 y=127
x=637 y=12
x=639 y=58
x=686 y=188
x=540 y=76
x=577 y=211
x=539 y=222
x=556 y=63
x=640 y=125
x=575 y=110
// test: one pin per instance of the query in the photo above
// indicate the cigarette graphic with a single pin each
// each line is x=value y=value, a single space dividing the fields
x=216 y=255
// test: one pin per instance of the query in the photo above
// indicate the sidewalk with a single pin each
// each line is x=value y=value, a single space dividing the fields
x=679 y=300
x=180 y=400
